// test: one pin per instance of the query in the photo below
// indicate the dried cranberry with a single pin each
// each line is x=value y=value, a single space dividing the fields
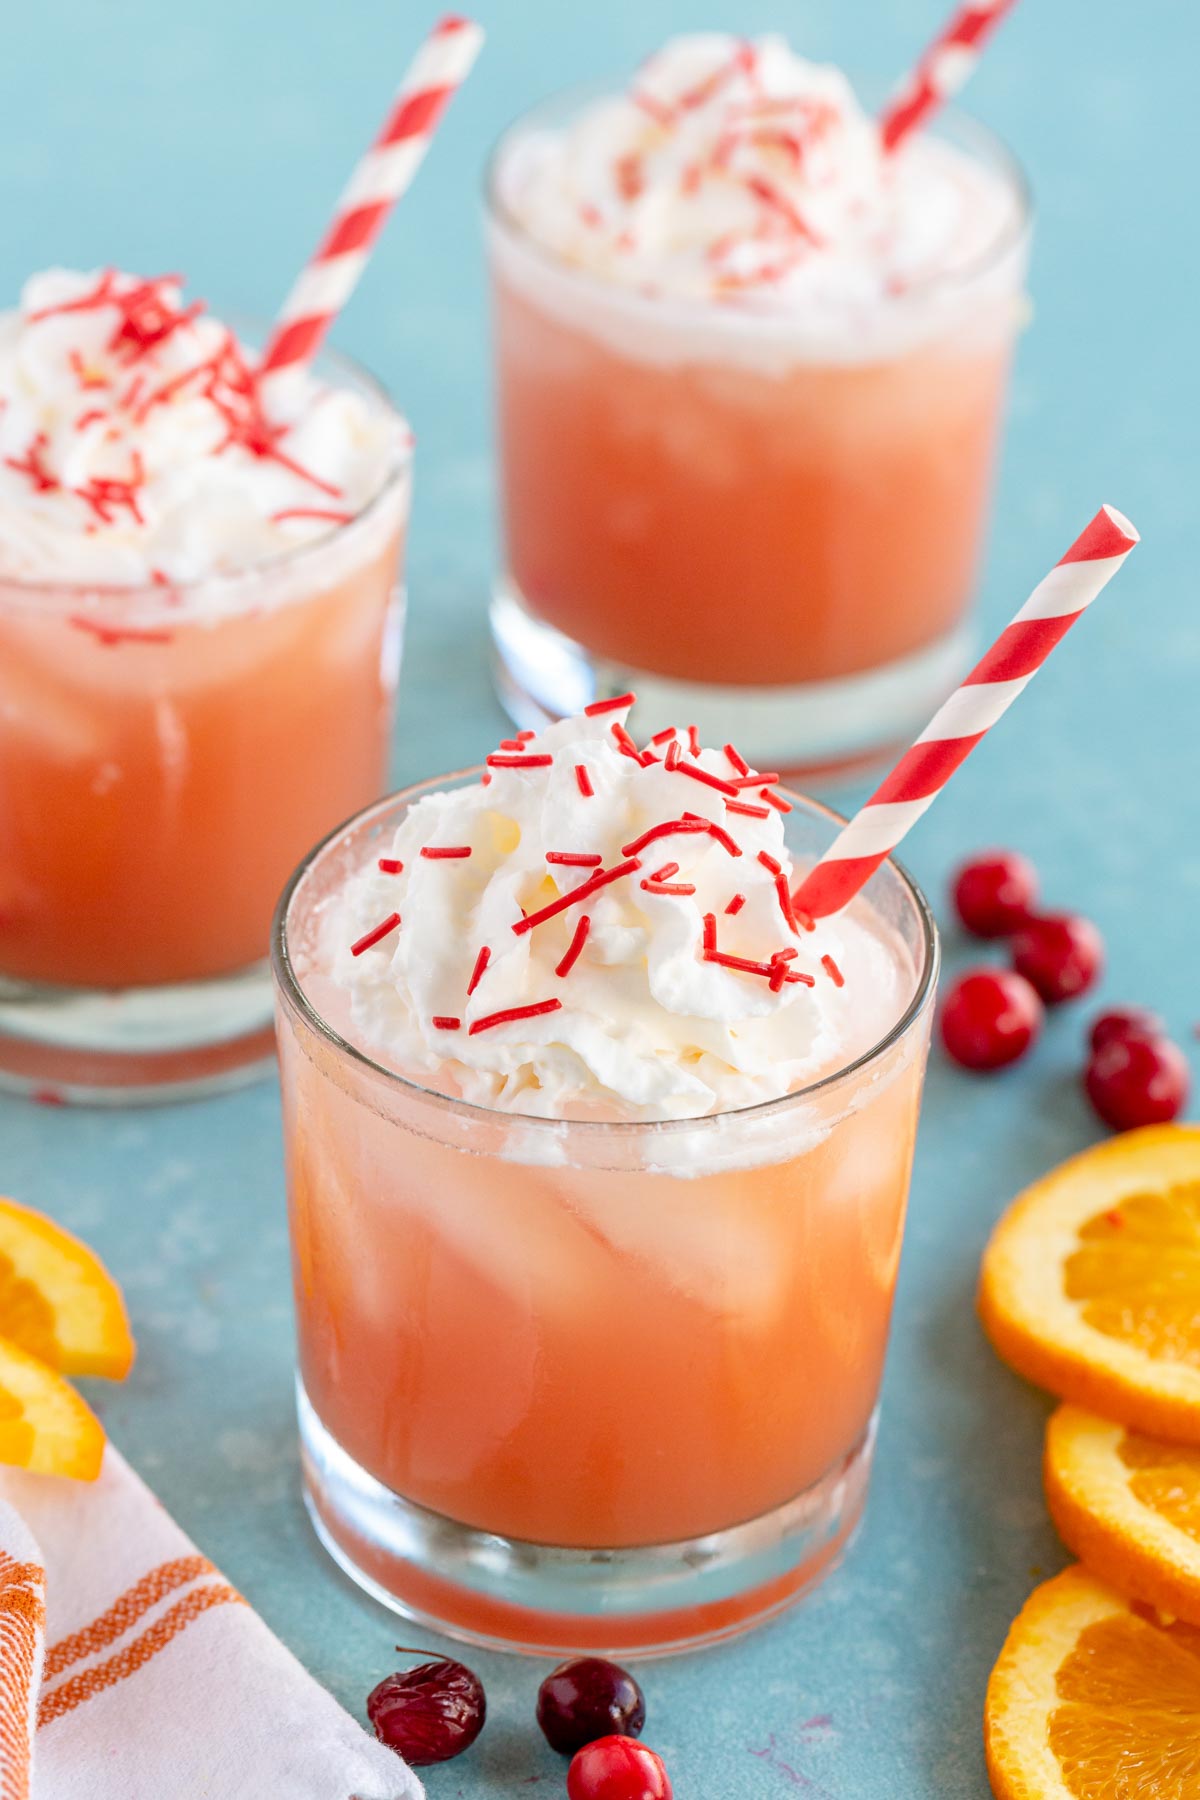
x=430 y=1713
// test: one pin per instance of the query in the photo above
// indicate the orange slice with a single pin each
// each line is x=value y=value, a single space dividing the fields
x=44 y=1425
x=57 y=1300
x=1129 y=1506
x=1093 y=1698
x=1091 y=1281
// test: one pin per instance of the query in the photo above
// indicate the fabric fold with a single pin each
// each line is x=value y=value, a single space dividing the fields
x=130 y=1669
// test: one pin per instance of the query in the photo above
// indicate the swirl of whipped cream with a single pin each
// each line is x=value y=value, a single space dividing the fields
x=690 y=990
x=736 y=171
x=133 y=447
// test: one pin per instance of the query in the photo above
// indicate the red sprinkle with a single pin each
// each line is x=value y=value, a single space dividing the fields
x=33 y=465
x=571 y=955
x=485 y=778
x=667 y=829
x=372 y=937
x=590 y=886
x=510 y=744
x=723 y=838
x=834 y=973
x=665 y=873
x=603 y=706
x=693 y=740
x=775 y=800
x=104 y=492
x=481 y=963
x=442 y=1022
x=712 y=781
x=439 y=852
x=786 y=907
x=737 y=759
x=710 y=933
x=584 y=781
x=390 y=865
x=673 y=754
x=524 y=737
x=769 y=862
x=736 y=904
x=627 y=747
x=667 y=887
x=87 y=378
x=660 y=737
x=749 y=812
x=689 y=822
x=513 y=1012
x=110 y=635
x=581 y=859
x=744 y=963
x=749 y=781
x=518 y=762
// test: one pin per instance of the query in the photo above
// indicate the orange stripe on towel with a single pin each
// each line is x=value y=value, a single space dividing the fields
x=22 y=1614
x=78 y=1688
x=125 y=1611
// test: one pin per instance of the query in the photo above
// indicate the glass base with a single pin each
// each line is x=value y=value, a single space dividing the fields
x=546 y=1601
x=64 y=1045
x=830 y=728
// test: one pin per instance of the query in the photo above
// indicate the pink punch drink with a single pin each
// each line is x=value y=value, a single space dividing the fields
x=598 y=1156
x=199 y=644
x=750 y=370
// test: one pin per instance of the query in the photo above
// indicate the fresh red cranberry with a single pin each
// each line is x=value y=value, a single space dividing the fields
x=1126 y=1021
x=430 y=1713
x=617 y=1768
x=989 y=1018
x=994 y=893
x=589 y=1698
x=1137 y=1081
x=1061 y=954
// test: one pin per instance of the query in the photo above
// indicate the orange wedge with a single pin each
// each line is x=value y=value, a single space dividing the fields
x=1129 y=1506
x=57 y=1300
x=44 y=1425
x=1093 y=1698
x=1091 y=1281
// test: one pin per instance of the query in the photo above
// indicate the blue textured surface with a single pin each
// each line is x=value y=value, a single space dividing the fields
x=214 y=139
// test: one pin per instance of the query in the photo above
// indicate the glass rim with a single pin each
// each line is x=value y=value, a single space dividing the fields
x=18 y=590
x=292 y=993
x=984 y=144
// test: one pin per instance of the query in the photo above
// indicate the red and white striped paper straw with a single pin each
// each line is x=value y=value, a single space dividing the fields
x=947 y=63
x=440 y=66
x=968 y=715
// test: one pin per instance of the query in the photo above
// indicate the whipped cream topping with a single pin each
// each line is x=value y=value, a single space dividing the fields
x=133 y=447
x=691 y=989
x=736 y=171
